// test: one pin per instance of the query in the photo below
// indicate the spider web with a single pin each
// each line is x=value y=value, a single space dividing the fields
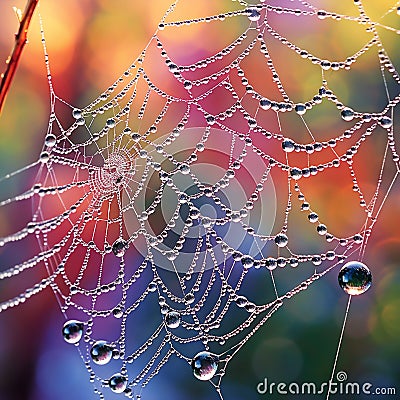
x=182 y=192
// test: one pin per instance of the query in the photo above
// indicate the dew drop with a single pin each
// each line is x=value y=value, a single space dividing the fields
x=173 y=319
x=265 y=104
x=200 y=147
x=204 y=365
x=271 y=263
x=110 y=123
x=296 y=173
x=118 y=312
x=386 y=122
x=173 y=67
x=76 y=113
x=358 y=238
x=294 y=262
x=101 y=352
x=119 y=247
x=313 y=217
x=247 y=262
x=44 y=157
x=152 y=287
x=136 y=136
x=187 y=85
x=281 y=240
x=300 y=108
x=398 y=10
x=117 y=383
x=210 y=120
x=288 y=145
x=185 y=169
x=253 y=14
x=189 y=298
x=241 y=301
x=355 y=278
x=347 y=114
x=322 y=229
x=50 y=140
x=72 y=331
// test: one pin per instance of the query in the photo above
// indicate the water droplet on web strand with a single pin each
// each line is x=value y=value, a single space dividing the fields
x=110 y=123
x=247 y=262
x=76 y=113
x=204 y=365
x=80 y=121
x=136 y=136
x=187 y=85
x=185 y=169
x=173 y=319
x=44 y=157
x=119 y=247
x=386 y=122
x=118 y=312
x=322 y=229
x=117 y=383
x=50 y=140
x=72 y=331
x=265 y=104
x=313 y=217
x=355 y=278
x=281 y=240
x=101 y=352
x=271 y=263
x=347 y=114
x=253 y=14
x=296 y=173
x=300 y=109
x=288 y=145
x=189 y=298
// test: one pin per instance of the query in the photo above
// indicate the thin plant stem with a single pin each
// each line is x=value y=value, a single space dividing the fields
x=20 y=41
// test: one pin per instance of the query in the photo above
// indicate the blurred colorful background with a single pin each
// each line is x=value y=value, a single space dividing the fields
x=90 y=43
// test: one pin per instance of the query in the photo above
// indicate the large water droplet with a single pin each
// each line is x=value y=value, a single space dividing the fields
x=50 y=140
x=117 y=383
x=253 y=14
x=184 y=168
x=386 y=122
x=347 y=114
x=119 y=247
x=288 y=145
x=296 y=173
x=101 y=352
x=204 y=365
x=265 y=104
x=111 y=123
x=72 y=331
x=281 y=240
x=76 y=113
x=247 y=261
x=355 y=278
x=189 y=298
x=300 y=108
x=173 y=319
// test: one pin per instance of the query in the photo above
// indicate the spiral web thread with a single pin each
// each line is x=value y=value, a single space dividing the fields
x=166 y=200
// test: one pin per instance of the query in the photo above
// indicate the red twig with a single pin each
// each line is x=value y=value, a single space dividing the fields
x=20 y=41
